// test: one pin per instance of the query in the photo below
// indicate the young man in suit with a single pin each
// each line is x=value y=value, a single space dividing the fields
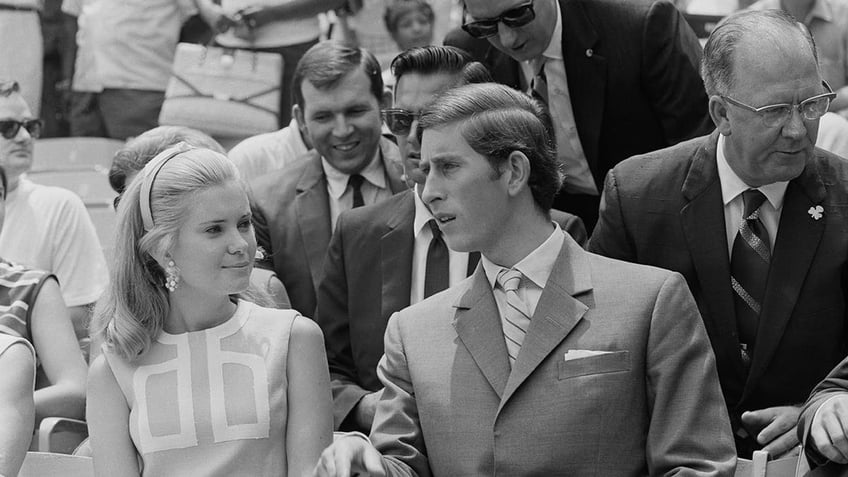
x=338 y=93
x=384 y=257
x=753 y=216
x=548 y=360
x=620 y=77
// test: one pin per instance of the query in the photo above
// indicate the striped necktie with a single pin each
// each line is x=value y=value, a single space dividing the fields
x=539 y=84
x=749 y=267
x=516 y=319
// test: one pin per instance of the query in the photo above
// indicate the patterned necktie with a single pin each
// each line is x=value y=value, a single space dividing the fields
x=355 y=182
x=437 y=273
x=516 y=319
x=539 y=84
x=749 y=266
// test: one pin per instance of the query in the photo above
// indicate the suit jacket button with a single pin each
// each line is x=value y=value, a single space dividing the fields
x=589 y=53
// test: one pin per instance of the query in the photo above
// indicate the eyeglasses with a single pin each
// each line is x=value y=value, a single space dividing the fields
x=399 y=121
x=774 y=115
x=513 y=18
x=9 y=127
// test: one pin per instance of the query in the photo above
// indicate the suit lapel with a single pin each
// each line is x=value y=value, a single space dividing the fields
x=478 y=326
x=587 y=76
x=313 y=216
x=795 y=248
x=396 y=248
x=390 y=155
x=703 y=226
x=557 y=313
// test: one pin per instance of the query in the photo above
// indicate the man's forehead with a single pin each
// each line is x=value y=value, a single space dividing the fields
x=414 y=90
x=14 y=107
x=483 y=9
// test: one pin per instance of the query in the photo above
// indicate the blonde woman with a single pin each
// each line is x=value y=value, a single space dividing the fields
x=193 y=379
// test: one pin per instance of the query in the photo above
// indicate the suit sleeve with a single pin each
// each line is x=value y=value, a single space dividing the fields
x=835 y=383
x=332 y=315
x=671 y=62
x=573 y=225
x=396 y=431
x=610 y=237
x=689 y=431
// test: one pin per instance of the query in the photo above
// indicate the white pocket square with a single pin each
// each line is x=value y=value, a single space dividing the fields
x=582 y=353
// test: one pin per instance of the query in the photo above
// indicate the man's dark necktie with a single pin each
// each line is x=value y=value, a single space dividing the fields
x=355 y=182
x=437 y=274
x=749 y=267
x=539 y=86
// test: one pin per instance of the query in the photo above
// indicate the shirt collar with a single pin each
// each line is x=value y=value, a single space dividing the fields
x=337 y=180
x=537 y=265
x=732 y=185
x=422 y=213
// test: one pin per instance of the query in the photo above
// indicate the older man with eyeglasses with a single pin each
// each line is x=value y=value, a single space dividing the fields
x=754 y=216
x=619 y=78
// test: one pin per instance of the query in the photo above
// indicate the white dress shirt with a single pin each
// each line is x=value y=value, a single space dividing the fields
x=374 y=188
x=536 y=268
x=578 y=176
x=458 y=261
x=732 y=188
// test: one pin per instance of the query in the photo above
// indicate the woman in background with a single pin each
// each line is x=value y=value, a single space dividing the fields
x=193 y=379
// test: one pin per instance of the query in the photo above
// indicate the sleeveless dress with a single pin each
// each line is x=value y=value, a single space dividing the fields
x=212 y=402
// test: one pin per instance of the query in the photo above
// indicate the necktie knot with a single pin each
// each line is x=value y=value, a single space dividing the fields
x=753 y=199
x=509 y=279
x=355 y=182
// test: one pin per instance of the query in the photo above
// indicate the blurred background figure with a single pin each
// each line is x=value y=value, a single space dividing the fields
x=22 y=48
x=176 y=321
x=410 y=24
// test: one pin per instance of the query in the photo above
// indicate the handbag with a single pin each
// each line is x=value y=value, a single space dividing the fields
x=224 y=92
x=796 y=466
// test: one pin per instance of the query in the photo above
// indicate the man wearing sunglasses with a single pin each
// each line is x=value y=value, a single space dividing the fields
x=753 y=215
x=619 y=78
x=46 y=227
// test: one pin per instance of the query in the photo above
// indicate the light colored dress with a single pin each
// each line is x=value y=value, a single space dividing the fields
x=212 y=402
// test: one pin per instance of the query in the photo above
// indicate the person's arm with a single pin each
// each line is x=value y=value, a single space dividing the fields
x=610 y=237
x=353 y=409
x=309 y=428
x=774 y=428
x=17 y=410
x=689 y=430
x=824 y=418
x=108 y=424
x=213 y=15
x=57 y=348
x=672 y=55
x=256 y=16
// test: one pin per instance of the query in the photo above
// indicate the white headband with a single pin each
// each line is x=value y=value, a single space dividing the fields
x=149 y=173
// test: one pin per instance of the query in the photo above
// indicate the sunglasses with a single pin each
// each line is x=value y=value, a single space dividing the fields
x=9 y=127
x=399 y=121
x=513 y=18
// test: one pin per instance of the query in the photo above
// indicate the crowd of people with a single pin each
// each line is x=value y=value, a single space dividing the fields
x=570 y=241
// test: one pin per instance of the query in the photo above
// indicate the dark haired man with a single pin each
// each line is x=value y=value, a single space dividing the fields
x=548 y=360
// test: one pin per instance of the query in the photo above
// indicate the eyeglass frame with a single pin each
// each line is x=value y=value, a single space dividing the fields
x=498 y=20
x=384 y=113
x=26 y=124
x=830 y=95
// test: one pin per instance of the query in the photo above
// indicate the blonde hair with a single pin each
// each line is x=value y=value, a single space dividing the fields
x=133 y=310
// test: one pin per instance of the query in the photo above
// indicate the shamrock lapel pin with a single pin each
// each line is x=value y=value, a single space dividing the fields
x=816 y=212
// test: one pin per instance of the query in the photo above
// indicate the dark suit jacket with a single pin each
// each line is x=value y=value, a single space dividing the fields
x=666 y=209
x=632 y=68
x=367 y=277
x=295 y=215
x=615 y=378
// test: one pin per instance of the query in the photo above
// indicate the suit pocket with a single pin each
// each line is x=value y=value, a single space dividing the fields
x=612 y=362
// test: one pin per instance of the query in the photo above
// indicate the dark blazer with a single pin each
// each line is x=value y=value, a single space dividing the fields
x=665 y=209
x=367 y=277
x=632 y=68
x=295 y=221
x=602 y=385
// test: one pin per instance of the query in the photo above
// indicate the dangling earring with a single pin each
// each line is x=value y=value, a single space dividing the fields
x=172 y=276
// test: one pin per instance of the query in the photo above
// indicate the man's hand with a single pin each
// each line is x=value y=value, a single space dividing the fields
x=774 y=428
x=350 y=455
x=365 y=409
x=829 y=428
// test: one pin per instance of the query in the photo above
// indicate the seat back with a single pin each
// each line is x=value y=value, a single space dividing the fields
x=67 y=153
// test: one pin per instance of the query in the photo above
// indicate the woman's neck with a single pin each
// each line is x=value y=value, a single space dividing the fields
x=192 y=312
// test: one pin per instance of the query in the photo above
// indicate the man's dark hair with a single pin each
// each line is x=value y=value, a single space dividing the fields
x=496 y=120
x=427 y=60
x=326 y=63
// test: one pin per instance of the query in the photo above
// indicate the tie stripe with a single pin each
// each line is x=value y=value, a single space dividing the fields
x=744 y=295
x=516 y=319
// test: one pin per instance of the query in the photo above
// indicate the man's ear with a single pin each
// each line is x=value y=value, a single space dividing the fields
x=517 y=169
x=718 y=111
x=297 y=114
x=386 y=101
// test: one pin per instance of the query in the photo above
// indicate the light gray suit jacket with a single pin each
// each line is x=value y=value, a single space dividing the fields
x=650 y=404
